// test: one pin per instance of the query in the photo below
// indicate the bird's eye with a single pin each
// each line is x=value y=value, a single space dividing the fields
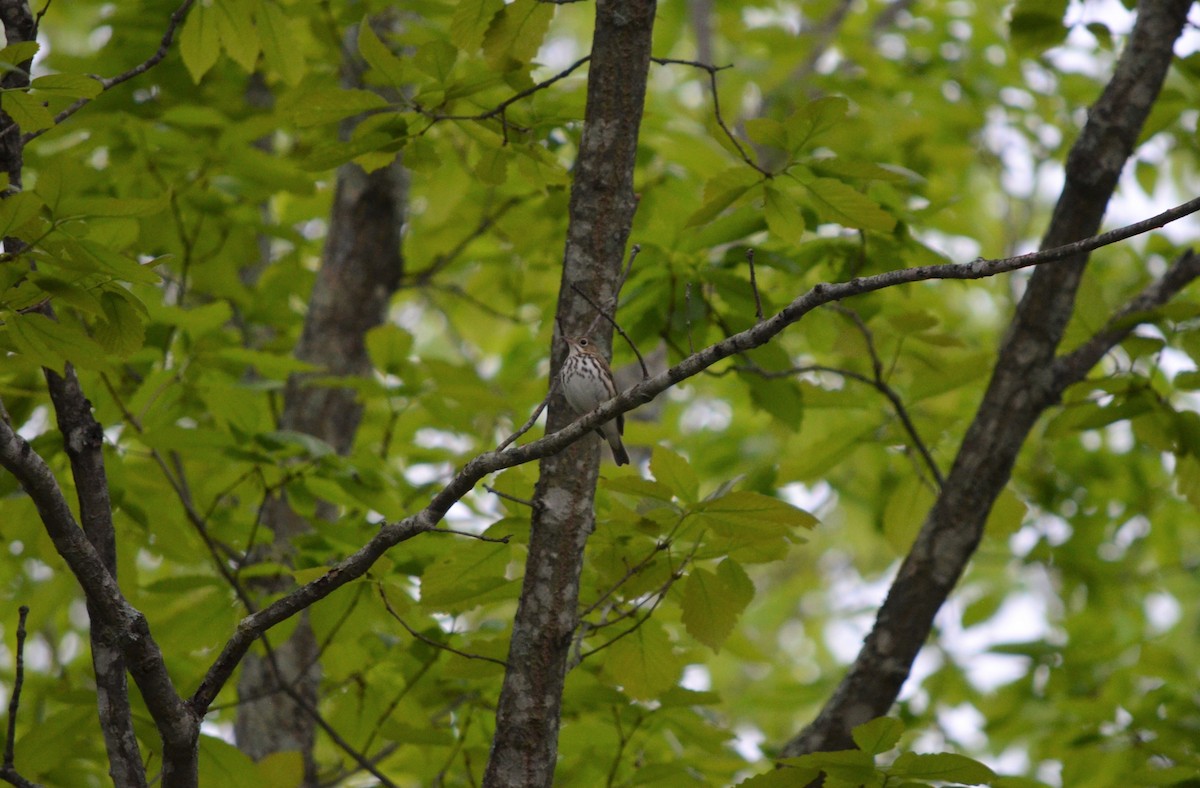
x=583 y=342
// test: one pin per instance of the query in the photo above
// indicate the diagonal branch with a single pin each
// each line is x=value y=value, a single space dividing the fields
x=475 y=469
x=108 y=83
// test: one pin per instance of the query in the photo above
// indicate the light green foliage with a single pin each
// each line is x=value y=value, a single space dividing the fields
x=147 y=214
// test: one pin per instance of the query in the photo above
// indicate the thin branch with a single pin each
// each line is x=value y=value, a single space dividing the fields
x=884 y=388
x=687 y=313
x=480 y=537
x=444 y=259
x=758 y=313
x=616 y=327
x=18 y=683
x=499 y=109
x=528 y=425
x=712 y=80
x=507 y=497
x=164 y=46
x=430 y=641
x=634 y=251
x=12 y=455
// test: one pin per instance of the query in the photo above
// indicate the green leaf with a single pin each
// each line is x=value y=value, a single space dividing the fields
x=643 y=662
x=329 y=105
x=471 y=20
x=838 y=202
x=879 y=735
x=637 y=486
x=516 y=32
x=712 y=602
x=51 y=343
x=338 y=152
x=767 y=131
x=905 y=512
x=1037 y=25
x=492 y=168
x=123 y=328
x=853 y=766
x=784 y=219
x=199 y=42
x=814 y=119
x=674 y=471
x=14 y=56
x=389 y=347
x=722 y=191
x=73 y=86
x=17 y=209
x=946 y=766
x=751 y=511
x=115 y=206
x=278 y=40
x=238 y=34
x=459 y=580
x=379 y=57
x=1008 y=512
x=26 y=111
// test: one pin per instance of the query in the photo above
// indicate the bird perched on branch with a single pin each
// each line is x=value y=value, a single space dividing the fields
x=587 y=381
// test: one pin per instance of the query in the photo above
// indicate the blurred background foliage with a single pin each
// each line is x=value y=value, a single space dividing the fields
x=177 y=222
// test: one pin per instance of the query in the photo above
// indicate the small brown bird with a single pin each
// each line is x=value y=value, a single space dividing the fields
x=587 y=381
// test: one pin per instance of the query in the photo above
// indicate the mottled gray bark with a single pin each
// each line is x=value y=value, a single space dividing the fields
x=1026 y=381
x=602 y=205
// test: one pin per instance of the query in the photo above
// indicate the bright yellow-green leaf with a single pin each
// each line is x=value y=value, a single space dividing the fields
x=123 y=328
x=879 y=735
x=17 y=209
x=68 y=85
x=26 y=110
x=841 y=203
x=713 y=601
x=329 y=105
x=13 y=55
x=379 y=57
x=853 y=766
x=459 y=580
x=767 y=131
x=51 y=343
x=643 y=662
x=784 y=219
x=492 y=168
x=516 y=32
x=471 y=20
x=814 y=119
x=280 y=770
x=239 y=36
x=636 y=485
x=722 y=191
x=199 y=41
x=944 y=766
x=278 y=37
x=674 y=471
x=1008 y=512
x=905 y=512
x=751 y=513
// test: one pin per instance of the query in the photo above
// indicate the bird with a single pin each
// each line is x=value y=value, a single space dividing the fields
x=587 y=381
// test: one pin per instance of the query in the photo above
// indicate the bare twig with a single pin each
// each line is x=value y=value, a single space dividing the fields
x=687 y=314
x=164 y=46
x=499 y=109
x=18 y=683
x=430 y=641
x=712 y=79
x=528 y=425
x=480 y=537
x=440 y=261
x=507 y=497
x=616 y=327
x=758 y=313
x=634 y=251
x=882 y=386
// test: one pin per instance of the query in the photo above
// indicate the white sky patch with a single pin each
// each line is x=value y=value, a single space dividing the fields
x=749 y=743
x=696 y=678
x=1022 y=617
